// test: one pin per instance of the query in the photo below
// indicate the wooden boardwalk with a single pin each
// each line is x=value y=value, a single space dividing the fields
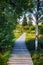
x=20 y=54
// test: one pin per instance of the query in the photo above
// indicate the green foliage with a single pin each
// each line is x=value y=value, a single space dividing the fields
x=6 y=35
x=26 y=27
x=4 y=58
x=10 y=10
x=7 y=25
x=32 y=28
x=1 y=60
x=20 y=5
x=30 y=24
x=40 y=44
x=30 y=44
x=41 y=29
x=37 y=56
x=24 y=21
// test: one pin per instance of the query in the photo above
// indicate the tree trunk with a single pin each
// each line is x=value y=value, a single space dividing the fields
x=36 y=40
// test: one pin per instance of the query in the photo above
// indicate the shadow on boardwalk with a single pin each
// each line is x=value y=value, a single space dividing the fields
x=20 y=54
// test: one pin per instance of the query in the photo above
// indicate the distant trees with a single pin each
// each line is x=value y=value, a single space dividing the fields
x=24 y=21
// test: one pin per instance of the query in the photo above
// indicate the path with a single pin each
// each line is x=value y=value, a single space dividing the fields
x=20 y=54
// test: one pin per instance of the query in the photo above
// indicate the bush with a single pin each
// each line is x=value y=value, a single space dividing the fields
x=26 y=27
x=24 y=23
x=41 y=60
x=32 y=28
x=36 y=62
x=41 y=29
x=40 y=44
x=31 y=44
x=35 y=56
x=4 y=58
x=7 y=25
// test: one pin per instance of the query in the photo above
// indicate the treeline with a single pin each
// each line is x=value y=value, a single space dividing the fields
x=7 y=24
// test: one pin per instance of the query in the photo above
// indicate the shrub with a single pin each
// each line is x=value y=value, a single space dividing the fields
x=31 y=44
x=41 y=29
x=4 y=58
x=35 y=56
x=40 y=44
x=32 y=28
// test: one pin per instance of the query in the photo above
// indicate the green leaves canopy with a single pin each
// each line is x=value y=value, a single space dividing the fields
x=20 y=5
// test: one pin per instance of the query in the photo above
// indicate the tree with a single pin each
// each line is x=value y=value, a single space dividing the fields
x=24 y=21
x=7 y=24
x=17 y=7
x=38 y=14
x=30 y=20
x=12 y=9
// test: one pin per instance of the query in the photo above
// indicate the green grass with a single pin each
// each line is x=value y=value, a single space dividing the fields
x=4 y=58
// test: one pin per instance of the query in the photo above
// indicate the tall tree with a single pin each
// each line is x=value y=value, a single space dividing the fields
x=38 y=15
